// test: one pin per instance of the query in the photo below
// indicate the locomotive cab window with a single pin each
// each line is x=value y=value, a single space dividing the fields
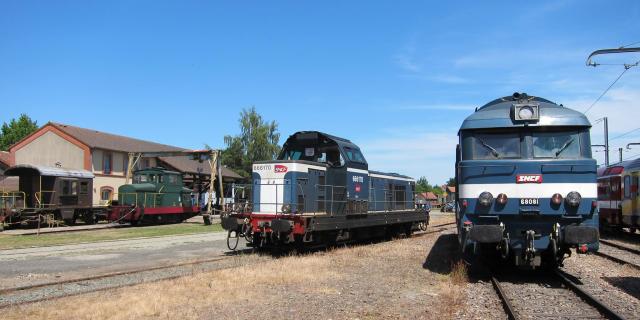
x=354 y=155
x=495 y=145
x=556 y=144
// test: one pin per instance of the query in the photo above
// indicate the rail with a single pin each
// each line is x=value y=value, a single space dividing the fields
x=117 y=196
x=328 y=199
x=11 y=197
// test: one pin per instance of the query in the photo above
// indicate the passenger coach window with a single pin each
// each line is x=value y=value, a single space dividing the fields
x=487 y=146
x=627 y=187
x=563 y=145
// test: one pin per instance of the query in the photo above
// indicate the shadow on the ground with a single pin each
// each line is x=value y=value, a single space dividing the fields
x=630 y=285
x=442 y=255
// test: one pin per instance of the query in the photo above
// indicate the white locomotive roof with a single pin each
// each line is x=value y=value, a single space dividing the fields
x=50 y=171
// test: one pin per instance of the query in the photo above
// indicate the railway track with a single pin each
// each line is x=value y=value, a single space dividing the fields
x=64 y=288
x=619 y=254
x=553 y=295
x=70 y=287
x=619 y=246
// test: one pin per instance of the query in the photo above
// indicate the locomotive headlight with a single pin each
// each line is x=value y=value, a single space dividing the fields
x=485 y=198
x=556 y=199
x=502 y=199
x=525 y=113
x=573 y=198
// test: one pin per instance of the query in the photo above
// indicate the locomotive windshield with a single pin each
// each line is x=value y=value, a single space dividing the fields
x=496 y=145
x=556 y=145
x=535 y=143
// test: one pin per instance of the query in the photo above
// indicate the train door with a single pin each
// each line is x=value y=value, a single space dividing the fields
x=626 y=199
x=315 y=192
x=615 y=203
x=634 y=199
x=336 y=181
x=47 y=192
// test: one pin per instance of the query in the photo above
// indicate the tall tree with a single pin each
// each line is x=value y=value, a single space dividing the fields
x=257 y=141
x=15 y=130
x=422 y=185
x=451 y=182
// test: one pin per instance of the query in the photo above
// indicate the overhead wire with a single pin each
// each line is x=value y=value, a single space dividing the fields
x=625 y=134
x=607 y=90
x=628 y=45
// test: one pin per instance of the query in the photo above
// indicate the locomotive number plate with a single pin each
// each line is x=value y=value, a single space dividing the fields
x=529 y=201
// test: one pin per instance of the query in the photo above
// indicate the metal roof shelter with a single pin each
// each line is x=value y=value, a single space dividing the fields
x=48 y=171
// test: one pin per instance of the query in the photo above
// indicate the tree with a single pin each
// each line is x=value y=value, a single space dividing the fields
x=257 y=141
x=422 y=185
x=451 y=182
x=15 y=130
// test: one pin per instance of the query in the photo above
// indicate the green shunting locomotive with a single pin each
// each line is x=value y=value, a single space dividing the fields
x=155 y=195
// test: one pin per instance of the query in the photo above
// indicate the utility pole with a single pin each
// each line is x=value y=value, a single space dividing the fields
x=620 y=150
x=606 y=141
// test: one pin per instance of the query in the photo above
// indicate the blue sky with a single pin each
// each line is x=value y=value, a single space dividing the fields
x=395 y=77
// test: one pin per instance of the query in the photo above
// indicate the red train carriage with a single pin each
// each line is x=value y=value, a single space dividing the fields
x=618 y=196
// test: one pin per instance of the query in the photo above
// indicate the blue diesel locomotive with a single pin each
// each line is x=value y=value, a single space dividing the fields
x=320 y=191
x=527 y=183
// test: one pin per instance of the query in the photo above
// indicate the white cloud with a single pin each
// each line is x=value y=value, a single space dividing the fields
x=430 y=154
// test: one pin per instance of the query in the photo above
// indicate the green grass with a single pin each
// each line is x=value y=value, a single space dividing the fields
x=25 y=241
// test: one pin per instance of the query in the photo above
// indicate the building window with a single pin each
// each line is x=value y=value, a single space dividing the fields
x=125 y=164
x=106 y=193
x=107 y=163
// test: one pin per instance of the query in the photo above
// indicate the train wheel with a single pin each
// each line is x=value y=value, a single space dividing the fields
x=89 y=218
x=232 y=240
x=247 y=232
x=408 y=229
x=422 y=226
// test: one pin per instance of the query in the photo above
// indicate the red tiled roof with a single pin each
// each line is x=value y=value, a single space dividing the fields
x=108 y=141
x=4 y=158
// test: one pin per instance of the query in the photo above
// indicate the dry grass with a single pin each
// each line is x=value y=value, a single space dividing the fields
x=384 y=280
x=453 y=290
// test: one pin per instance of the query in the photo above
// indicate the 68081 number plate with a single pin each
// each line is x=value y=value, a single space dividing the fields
x=529 y=201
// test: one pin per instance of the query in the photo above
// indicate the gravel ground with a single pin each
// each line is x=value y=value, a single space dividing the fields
x=627 y=242
x=624 y=255
x=115 y=281
x=411 y=278
x=615 y=285
x=535 y=296
x=20 y=267
x=482 y=301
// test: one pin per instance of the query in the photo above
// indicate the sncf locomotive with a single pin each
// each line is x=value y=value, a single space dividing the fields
x=527 y=183
x=619 y=197
x=320 y=191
